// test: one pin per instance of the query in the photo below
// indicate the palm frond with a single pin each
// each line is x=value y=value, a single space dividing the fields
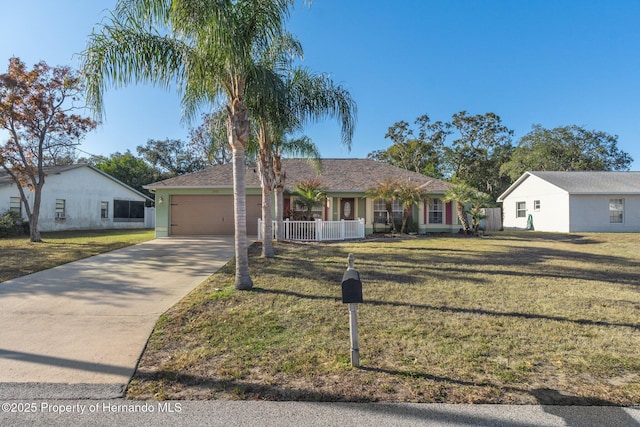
x=318 y=97
x=124 y=54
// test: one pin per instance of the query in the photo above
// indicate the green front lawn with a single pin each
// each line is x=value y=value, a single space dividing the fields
x=509 y=318
x=21 y=257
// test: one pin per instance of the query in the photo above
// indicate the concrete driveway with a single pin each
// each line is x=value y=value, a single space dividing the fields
x=78 y=330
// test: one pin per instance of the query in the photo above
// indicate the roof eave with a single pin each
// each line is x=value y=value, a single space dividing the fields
x=512 y=187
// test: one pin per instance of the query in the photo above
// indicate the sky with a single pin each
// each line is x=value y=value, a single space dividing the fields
x=547 y=62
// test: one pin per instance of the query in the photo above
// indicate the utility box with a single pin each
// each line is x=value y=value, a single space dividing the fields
x=351 y=287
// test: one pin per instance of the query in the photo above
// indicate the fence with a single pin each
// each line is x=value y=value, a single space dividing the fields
x=319 y=230
x=149 y=217
x=493 y=221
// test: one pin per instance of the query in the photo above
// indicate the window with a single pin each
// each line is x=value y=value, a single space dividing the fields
x=60 y=209
x=616 y=211
x=521 y=209
x=15 y=205
x=300 y=211
x=128 y=211
x=104 y=210
x=435 y=211
x=379 y=212
x=536 y=205
x=380 y=215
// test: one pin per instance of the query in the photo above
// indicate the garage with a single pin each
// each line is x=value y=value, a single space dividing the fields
x=205 y=215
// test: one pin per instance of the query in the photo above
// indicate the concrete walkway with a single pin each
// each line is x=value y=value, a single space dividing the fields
x=77 y=330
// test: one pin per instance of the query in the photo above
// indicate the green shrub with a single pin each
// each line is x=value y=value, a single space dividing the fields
x=12 y=224
x=412 y=226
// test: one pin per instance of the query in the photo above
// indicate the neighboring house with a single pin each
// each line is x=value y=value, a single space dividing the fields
x=79 y=197
x=574 y=202
x=202 y=202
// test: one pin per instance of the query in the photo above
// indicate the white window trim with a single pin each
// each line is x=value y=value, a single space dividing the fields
x=396 y=207
x=61 y=209
x=614 y=211
x=536 y=205
x=12 y=201
x=430 y=210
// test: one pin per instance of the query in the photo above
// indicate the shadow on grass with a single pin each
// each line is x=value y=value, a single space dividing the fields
x=545 y=396
x=412 y=264
x=579 y=239
x=282 y=391
x=443 y=308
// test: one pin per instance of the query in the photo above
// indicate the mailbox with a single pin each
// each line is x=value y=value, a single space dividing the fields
x=351 y=287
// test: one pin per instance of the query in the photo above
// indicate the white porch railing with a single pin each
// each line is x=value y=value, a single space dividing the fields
x=319 y=230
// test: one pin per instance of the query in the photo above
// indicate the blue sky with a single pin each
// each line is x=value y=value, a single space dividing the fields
x=549 y=62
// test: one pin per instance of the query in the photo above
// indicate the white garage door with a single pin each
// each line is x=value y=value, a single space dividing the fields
x=206 y=215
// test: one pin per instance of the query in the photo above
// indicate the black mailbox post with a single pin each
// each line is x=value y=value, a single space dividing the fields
x=352 y=295
x=351 y=287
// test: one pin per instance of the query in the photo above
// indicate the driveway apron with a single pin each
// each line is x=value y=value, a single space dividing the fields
x=87 y=322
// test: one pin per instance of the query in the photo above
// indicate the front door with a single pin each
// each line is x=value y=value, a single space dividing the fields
x=347 y=208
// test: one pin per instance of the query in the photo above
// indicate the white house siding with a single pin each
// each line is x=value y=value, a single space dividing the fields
x=591 y=213
x=83 y=190
x=553 y=214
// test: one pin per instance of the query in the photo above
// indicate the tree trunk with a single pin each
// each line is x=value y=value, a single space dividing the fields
x=265 y=169
x=34 y=230
x=238 y=131
x=279 y=190
x=462 y=214
x=405 y=217
x=389 y=207
x=34 y=215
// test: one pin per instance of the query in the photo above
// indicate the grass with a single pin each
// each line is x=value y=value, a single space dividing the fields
x=21 y=257
x=509 y=318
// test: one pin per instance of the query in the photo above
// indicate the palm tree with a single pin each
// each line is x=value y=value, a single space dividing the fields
x=385 y=190
x=207 y=49
x=307 y=97
x=410 y=194
x=462 y=194
x=269 y=116
x=309 y=194
x=479 y=201
x=297 y=147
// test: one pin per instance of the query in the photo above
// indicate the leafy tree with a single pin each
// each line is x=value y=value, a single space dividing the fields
x=462 y=194
x=309 y=194
x=209 y=140
x=38 y=108
x=208 y=49
x=172 y=157
x=129 y=169
x=566 y=148
x=482 y=146
x=420 y=153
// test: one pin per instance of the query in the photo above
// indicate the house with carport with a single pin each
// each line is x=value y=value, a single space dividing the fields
x=573 y=202
x=201 y=203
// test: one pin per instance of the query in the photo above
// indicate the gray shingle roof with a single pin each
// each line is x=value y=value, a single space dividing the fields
x=593 y=182
x=5 y=178
x=338 y=175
